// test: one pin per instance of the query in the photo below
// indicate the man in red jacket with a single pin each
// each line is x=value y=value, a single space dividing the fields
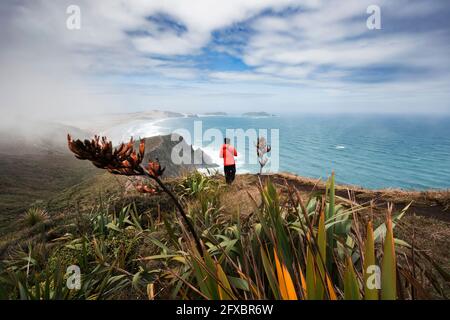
x=228 y=152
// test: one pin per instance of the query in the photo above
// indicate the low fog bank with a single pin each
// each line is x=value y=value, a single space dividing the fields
x=32 y=97
x=43 y=102
x=36 y=137
x=42 y=80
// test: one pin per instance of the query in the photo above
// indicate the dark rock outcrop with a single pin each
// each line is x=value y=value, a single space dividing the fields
x=161 y=147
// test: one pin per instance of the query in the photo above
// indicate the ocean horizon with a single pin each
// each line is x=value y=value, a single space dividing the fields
x=372 y=151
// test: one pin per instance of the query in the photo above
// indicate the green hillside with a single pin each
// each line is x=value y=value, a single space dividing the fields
x=134 y=246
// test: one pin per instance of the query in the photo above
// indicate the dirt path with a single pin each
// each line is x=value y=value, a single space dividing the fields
x=243 y=193
x=434 y=204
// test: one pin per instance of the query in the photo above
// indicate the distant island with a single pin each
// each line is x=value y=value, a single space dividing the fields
x=215 y=114
x=191 y=115
x=258 y=114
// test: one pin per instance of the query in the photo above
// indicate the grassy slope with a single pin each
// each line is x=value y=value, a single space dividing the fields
x=70 y=205
x=36 y=173
x=432 y=232
x=26 y=180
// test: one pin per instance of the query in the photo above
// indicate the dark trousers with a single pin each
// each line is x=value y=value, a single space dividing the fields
x=230 y=172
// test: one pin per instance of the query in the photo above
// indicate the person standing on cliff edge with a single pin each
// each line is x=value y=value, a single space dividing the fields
x=228 y=152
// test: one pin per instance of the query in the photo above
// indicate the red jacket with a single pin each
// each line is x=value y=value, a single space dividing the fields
x=228 y=153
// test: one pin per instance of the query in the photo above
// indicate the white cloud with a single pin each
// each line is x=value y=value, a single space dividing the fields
x=304 y=57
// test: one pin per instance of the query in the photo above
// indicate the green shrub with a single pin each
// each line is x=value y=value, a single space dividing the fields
x=197 y=184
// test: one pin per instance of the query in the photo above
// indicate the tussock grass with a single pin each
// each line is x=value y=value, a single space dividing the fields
x=34 y=216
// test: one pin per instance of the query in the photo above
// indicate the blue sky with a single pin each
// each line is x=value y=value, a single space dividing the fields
x=198 y=56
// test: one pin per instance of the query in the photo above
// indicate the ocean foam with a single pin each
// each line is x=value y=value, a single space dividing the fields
x=136 y=129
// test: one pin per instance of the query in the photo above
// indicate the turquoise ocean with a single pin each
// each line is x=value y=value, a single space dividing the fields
x=372 y=151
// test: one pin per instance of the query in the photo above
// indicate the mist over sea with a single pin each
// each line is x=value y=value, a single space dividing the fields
x=372 y=151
